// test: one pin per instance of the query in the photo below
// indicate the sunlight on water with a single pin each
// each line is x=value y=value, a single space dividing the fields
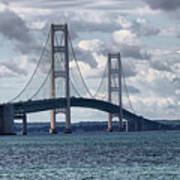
x=150 y=155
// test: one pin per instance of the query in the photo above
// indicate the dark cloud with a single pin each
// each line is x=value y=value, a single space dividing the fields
x=178 y=34
x=14 y=28
x=86 y=23
x=83 y=22
x=176 y=81
x=86 y=57
x=84 y=26
x=130 y=51
x=128 y=44
x=167 y=5
x=5 y=2
x=135 y=52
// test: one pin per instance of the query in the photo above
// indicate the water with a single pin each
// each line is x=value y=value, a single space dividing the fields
x=85 y=156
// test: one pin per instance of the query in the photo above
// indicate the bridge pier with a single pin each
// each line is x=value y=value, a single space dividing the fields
x=67 y=130
x=142 y=125
x=109 y=129
x=6 y=119
x=52 y=129
x=127 y=126
x=120 y=124
x=139 y=126
x=24 y=129
x=23 y=117
x=136 y=126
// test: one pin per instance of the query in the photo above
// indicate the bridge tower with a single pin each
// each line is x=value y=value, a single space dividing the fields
x=60 y=74
x=114 y=71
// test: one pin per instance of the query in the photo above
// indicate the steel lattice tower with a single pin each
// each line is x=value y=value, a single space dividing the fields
x=60 y=74
x=116 y=89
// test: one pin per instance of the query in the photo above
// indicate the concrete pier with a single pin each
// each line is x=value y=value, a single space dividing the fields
x=52 y=131
x=6 y=119
x=127 y=126
x=67 y=131
x=136 y=126
x=109 y=129
x=24 y=129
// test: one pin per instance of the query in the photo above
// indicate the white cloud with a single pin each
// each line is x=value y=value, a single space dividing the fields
x=123 y=22
x=141 y=20
x=2 y=7
x=161 y=102
x=37 y=25
x=18 y=66
x=129 y=45
x=144 y=28
x=92 y=45
x=101 y=60
x=97 y=48
x=125 y=37
x=141 y=11
x=84 y=67
x=159 y=52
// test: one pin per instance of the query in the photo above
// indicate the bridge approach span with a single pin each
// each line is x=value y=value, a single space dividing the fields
x=49 y=104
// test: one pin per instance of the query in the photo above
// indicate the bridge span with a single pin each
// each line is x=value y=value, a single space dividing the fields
x=58 y=103
x=9 y=112
x=26 y=107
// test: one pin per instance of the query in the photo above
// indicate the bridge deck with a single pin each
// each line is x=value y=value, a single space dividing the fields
x=48 y=104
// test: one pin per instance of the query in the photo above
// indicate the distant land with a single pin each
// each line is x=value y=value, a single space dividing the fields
x=173 y=124
x=43 y=127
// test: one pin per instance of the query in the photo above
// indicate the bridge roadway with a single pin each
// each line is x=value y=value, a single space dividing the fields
x=32 y=106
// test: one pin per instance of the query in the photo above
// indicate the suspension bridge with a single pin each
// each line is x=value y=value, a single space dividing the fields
x=59 y=72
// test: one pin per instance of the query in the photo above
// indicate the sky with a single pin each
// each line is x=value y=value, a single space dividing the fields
x=145 y=32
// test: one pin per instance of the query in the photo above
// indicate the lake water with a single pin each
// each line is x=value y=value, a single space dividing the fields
x=94 y=155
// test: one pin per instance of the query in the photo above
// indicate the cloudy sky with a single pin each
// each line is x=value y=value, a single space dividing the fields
x=146 y=32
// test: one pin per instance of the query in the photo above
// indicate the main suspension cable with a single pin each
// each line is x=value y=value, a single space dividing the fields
x=74 y=57
x=101 y=82
x=42 y=85
x=74 y=88
x=35 y=70
x=127 y=93
x=85 y=85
